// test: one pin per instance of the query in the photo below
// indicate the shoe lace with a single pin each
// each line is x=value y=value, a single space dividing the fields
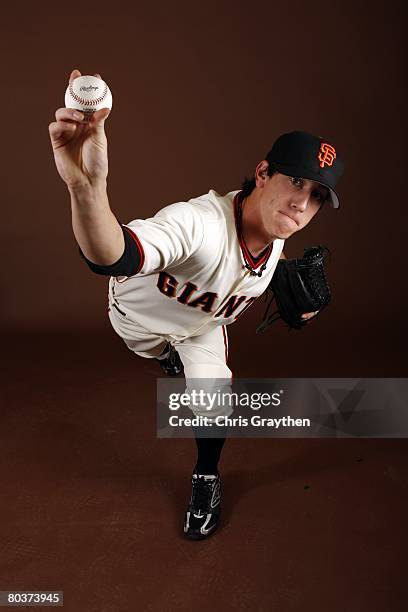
x=202 y=492
x=312 y=272
x=268 y=320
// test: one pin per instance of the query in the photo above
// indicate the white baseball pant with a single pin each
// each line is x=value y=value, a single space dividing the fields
x=203 y=356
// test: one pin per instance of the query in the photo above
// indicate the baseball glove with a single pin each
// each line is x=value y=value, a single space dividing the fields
x=299 y=286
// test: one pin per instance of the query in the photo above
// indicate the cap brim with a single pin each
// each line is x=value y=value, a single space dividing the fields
x=333 y=197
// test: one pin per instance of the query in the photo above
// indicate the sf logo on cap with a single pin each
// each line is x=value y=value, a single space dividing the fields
x=326 y=155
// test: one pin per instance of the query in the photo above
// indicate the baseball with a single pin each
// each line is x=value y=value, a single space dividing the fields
x=88 y=94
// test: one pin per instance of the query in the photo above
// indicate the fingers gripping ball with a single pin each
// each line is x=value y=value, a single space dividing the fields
x=88 y=94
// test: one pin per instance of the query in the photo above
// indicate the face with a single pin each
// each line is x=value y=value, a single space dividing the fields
x=287 y=203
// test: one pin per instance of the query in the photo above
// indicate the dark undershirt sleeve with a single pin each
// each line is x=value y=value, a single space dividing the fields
x=130 y=262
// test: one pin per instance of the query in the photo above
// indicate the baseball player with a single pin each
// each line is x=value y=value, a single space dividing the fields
x=180 y=277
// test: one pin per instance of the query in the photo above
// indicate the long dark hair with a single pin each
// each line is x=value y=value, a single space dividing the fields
x=248 y=185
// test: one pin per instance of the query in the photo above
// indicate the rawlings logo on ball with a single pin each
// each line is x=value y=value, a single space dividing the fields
x=90 y=88
x=88 y=94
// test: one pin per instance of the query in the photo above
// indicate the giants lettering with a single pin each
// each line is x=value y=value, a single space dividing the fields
x=231 y=306
x=250 y=301
x=168 y=285
x=206 y=301
x=188 y=290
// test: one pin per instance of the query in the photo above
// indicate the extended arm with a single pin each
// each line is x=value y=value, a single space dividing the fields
x=95 y=227
x=81 y=156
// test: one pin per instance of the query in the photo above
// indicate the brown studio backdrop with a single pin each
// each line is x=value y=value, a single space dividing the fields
x=200 y=93
x=92 y=503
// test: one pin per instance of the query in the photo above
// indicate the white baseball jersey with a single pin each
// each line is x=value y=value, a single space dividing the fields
x=192 y=275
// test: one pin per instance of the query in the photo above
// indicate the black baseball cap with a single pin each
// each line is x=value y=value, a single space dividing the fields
x=307 y=156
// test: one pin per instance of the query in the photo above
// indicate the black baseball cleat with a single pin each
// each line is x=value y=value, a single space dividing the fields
x=203 y=513
x=171 y=364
